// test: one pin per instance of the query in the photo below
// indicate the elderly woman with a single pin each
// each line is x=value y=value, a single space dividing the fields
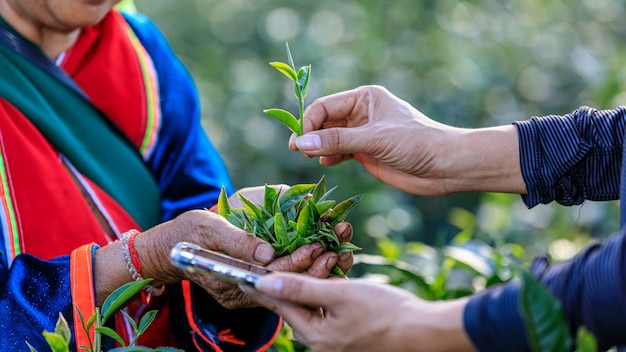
x=100 y=141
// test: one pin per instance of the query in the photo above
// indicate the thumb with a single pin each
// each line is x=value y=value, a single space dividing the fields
x=297 y=288
x=333 y=141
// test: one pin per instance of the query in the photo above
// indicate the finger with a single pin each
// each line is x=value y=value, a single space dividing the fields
x=300 y=318
x=302 y=290
x=217 y=233
x=292 y=142
x=343 y=230
x=345 y=261
x=323 y=265
x=334 y=141
x=333 y=160
x=332 y=110
x=301 y=259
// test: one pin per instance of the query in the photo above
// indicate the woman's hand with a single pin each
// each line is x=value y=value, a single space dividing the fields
x=211 y=231
x=404 y=148
x=357 y=315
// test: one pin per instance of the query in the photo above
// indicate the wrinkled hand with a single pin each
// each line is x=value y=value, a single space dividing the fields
x=212 y=231
x=404 y=148
x=362 y=316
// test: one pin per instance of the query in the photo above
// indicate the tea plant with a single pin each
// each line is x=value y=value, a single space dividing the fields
x=301 y=215
x=300 y=79
x=59 y=340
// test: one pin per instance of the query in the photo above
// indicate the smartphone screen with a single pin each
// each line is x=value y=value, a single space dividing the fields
x=194 y=258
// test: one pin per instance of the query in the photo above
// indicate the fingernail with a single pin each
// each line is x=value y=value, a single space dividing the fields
x=269 y=284
x=331 y=261
x=317 y=252
x=309 y=142
x=264 y=253
x=292 y=138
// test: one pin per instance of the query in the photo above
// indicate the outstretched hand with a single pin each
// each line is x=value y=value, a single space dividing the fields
x=404 y=148
x=358 y=315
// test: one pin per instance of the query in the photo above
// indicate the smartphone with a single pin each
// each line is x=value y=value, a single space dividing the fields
x=194 y=258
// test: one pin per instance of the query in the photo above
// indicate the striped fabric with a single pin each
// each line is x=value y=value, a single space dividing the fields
x=568 y=159
x=151 y=95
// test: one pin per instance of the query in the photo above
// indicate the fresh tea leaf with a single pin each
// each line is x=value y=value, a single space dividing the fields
x=289 y=57
x=56 y=342
x=62 y=328
x=304 y=73
x=111 y=333
x=286 y=70
x=270 y=199
x=294 y=195
x=319 y=190
x=304 y=221
x=325 y=196
x=286 y=118
x=346 y=247
x=120 y=296
x=324 y=206
x=585 y=341
x=223 y=208
x=145 y=321
x=280 y=228
x=545 y=324
x=250 y=207
x=30 y=347
x=339 y=213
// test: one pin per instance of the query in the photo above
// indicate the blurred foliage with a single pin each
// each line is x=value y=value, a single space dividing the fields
x=464 y=63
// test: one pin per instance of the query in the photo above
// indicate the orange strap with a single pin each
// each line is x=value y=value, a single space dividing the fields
x=83 y=293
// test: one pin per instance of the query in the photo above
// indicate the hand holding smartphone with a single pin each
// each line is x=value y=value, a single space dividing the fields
x=194 y=258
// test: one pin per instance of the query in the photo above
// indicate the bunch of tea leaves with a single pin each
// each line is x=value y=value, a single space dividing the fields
x=301 y=215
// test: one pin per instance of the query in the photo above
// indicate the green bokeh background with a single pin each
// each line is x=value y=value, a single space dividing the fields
x=464 y=63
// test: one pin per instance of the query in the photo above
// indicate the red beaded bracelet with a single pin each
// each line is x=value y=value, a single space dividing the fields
x=131 y=259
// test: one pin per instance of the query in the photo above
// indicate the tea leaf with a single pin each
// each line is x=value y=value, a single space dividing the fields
x=280 y=227
x=145 y=321
x=270 y=199
x=324 y=206
x=30 y=347
x=120 y=296
x=111 y=333
x=304 y=73
x=285 y=70
x=62 y=328
x=339 y=213
x=294 y=195
x=319 y=190
x=327 y=194
x=315 y=215
x=289 y=57
x=543 y=317
x=250 y=207
x=304 y=221
x=286 y=118
x=56 y=342
x=223 y=208
x=585 y=341
x=346 y=247
x=130 y=319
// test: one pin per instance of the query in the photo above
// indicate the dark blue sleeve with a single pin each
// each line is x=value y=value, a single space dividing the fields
x=33 y=294
x=572 y=158
x=188 y=168
x=591 y=288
